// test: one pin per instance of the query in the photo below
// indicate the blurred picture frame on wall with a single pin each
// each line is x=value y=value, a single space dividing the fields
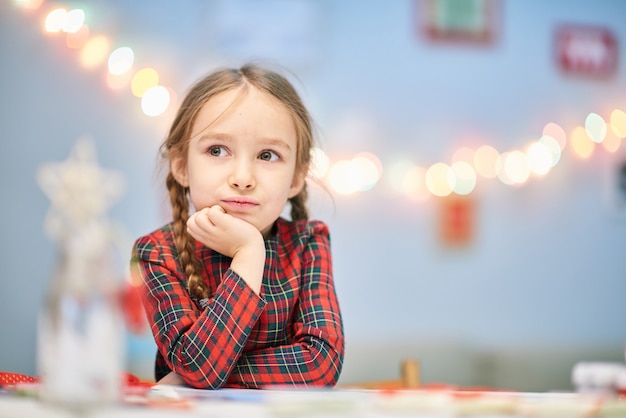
x=586 y=51
x=472 y=22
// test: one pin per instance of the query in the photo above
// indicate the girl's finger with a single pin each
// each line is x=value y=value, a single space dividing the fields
x=215 y=213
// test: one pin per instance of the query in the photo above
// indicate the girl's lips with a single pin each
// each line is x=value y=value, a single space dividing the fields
x=239 y=203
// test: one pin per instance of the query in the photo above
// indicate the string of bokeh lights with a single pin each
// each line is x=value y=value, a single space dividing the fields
x=363 y=172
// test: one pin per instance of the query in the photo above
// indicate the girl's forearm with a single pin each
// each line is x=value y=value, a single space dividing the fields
x=314 y=362
x=249 y=263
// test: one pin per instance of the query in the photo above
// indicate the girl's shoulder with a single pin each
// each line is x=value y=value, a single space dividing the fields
x=164 y=233
x=161 y=237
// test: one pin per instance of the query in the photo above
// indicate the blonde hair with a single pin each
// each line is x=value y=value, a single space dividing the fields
x=177 y=144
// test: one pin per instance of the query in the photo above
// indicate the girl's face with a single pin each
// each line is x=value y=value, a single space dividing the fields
x=242 y=157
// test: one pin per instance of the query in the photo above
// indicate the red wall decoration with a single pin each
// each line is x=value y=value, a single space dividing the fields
x=588 y=51
x=457 y=220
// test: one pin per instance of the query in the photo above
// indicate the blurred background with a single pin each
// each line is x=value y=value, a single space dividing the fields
x=472 y=153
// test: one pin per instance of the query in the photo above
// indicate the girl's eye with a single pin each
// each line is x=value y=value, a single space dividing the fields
x=268 y=156
x=217 y=151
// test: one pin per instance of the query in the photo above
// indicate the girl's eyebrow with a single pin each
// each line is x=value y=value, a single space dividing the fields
x=269 y=141
x=276 y=142
x=212 y=136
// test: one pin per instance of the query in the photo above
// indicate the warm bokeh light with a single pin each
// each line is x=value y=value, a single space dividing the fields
x=361 y=173
x=78 y=39
x=413 y=184
x=343 y=178
x=370 y=167
x=611 y=142
x=28 y=4
x=55 y=20
x=143 y=80
x=582 y=145
x=319 y=163
x=618 y=123
x=555 y=131
x=94 y=52
x=121 y=60
x=539 y=158
x=516 y=166
x=155 y=100
x=553 y=146
x=397 y=171
x=595 y=127
x=485 y=159
x=440 y=179
x=501 y=172
x=465 y=178
x=61 y=20
x=463 y=154
x=74 y=19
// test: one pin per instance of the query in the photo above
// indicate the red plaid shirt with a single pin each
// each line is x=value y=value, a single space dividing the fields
x=291 y=334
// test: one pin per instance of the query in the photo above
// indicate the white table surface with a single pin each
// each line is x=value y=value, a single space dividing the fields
x=170 y=401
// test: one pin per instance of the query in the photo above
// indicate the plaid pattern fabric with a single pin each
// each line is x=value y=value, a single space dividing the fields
x=291 y=335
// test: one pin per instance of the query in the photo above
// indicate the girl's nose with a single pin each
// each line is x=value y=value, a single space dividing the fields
x=242 y=176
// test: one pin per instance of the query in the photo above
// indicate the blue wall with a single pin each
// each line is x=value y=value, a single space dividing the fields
x=546 y=266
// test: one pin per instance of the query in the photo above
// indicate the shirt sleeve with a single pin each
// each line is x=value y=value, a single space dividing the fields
x=315 y=355
x=203 y=347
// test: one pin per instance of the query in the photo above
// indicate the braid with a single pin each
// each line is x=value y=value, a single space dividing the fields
x=184 y=244
x=299 y=210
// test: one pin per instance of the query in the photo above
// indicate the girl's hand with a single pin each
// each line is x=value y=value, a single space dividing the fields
x=222 y=232
x=233 y=238
x=171 y=379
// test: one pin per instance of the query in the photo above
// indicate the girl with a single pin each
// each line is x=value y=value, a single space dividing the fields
x=236 y=295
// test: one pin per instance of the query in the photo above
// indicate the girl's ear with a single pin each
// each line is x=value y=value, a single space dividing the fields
x=178 y=167
x=298 y=183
